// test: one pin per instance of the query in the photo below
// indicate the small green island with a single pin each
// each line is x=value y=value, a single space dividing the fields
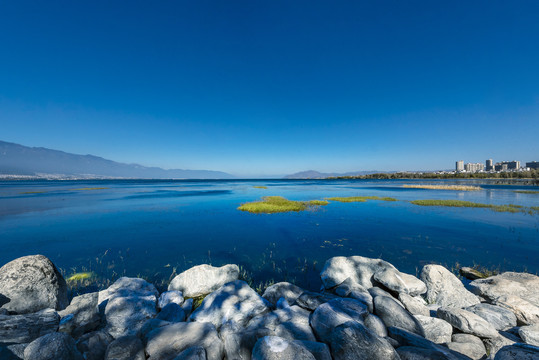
x=360 y=198
x=278 y=204
x=511 y=208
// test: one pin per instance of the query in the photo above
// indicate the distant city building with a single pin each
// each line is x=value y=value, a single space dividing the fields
x=533 y=165
x=507 y=165
x=489 y=166
x=471 y=167
x=460 y=165
x=501 y=166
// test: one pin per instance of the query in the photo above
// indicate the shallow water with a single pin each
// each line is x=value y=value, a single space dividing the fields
x=148 y=228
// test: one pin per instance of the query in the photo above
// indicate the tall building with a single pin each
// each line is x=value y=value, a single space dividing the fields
x=507 y=165
x=489 y=166
x=471 y=167
x=459 y=165
x=533 y=165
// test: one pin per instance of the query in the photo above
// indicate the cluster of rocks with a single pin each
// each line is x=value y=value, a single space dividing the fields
x=367 y=309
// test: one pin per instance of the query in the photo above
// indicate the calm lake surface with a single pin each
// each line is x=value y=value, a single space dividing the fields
x=150 y=228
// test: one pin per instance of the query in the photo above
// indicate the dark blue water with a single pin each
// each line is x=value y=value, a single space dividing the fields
x=150 y=228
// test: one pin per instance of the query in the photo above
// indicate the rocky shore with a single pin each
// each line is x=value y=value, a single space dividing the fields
x=367 y=309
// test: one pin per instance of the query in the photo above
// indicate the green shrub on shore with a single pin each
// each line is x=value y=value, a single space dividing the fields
x=277 y=204
x=360 y=198
x=460 y=203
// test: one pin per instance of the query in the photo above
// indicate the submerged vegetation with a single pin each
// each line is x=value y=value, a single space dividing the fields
x=460 y=203
x=361 y=198
x=444 y=187
x=260 y=187
x=526 y=192
x=277 y=204
x=80 y=276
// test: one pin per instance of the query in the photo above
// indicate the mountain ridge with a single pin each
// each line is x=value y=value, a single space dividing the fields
x=16 y=159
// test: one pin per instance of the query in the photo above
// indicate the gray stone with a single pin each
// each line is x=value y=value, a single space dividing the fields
x=239 y=343
x=311 y=300
x=352 y=340
x=203 y=279
x=334 y=313
x=376 y=291
x=234 y=301
x=172 y=312
x=523 y=285
x=499 y=317
x=469 y=349
x=364 y=296
x=173 y=296
x=416 y=353
x=359 y=269
x=291 y=323
x=415 y=305
x=518 y=352
x=530 y=334
x=169 y=341
x=470 y=273
x=187 y=307
x=54 y=346
x=375 y=324
x=467 y=338
x=150 y=325
x=192 y=353
x=17 y=329
x=282 y=290
x=127 y=287
x=82 y=315
x=400 y=282
x=393 y=314
x=526 y=312
x=276 y=348
x=12 y=352
x=125 y=348
x=93 y=345
x=319 y=350
x=32 y=283
x=126 y=315
x=467 y=322
x=436 y=330
x=445 y=289
x=493 y=345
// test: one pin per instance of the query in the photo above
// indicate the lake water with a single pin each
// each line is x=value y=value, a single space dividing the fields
x=150 y=228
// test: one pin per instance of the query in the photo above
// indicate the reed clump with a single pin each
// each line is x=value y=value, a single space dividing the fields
x=278 y=204
x=460 y=203
x=360 y=198
x=260 y=187
x=526 y=192
x=444 y=187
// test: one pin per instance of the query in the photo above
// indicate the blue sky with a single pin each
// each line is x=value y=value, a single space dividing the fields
x=269 y=88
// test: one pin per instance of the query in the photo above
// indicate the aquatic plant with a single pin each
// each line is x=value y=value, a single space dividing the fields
x=526 y=192
x=277 y=204
x=81 y=276
x=318 y=202
x=360 y=198
x=444 y=187
x=460 y=203
x=260 y=187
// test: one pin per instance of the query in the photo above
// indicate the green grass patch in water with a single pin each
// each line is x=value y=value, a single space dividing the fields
x=318 y=202
x=278 y=204
x=460 y=203
x=81 y=276
x=361 y=198
x=33 y=192
x=260 y=187
x=526 y=192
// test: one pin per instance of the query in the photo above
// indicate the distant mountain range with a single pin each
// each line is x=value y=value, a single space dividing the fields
x=17 y=159
x=313 y=174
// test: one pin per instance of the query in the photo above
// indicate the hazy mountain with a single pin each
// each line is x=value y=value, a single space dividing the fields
x=313 y=174
x=22 y=160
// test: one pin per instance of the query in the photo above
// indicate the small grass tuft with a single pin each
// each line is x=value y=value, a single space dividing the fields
x=361 y=198
x=526 y=192
x=260 y=187
x=80 y=276
x=444 y=187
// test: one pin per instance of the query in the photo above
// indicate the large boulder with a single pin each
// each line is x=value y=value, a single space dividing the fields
x=375 y=324
x=291 y=323
x=467 y=322
x=499 y=317
x=32 y=283
x=234 y=301
x=173 y=296
x=445 y=289
x=318 y=349
x=436 y=330
x=54 y=346
x=93 y=345
x=469 y=345
x=399 y=282
x=203 y=279
x=530 y=334
x=192 y=353
x=526 y=312
x=125 y=348
x=334 y=313
x=282 y=290
x=311 y=300
x=415 y=305
x=276 y=348
x=493 y=345
x=352 y=340
x=126 y=287
x=393 y=314
x=523 y=285
x=18 y=329
x=82 y=315
x=169 y=341
x=359 y=269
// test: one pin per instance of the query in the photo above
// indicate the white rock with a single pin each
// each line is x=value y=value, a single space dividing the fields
x=445 y=289
x=203 y=279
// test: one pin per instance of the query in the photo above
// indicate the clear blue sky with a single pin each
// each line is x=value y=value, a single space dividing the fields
x=273 y=87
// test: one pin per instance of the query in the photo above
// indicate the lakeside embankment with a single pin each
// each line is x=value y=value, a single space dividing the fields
x=366 y=309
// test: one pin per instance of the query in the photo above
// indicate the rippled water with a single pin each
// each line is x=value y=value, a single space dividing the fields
x=149 y=228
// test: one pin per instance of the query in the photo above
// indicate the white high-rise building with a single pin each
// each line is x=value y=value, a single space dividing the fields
x=459 y=165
